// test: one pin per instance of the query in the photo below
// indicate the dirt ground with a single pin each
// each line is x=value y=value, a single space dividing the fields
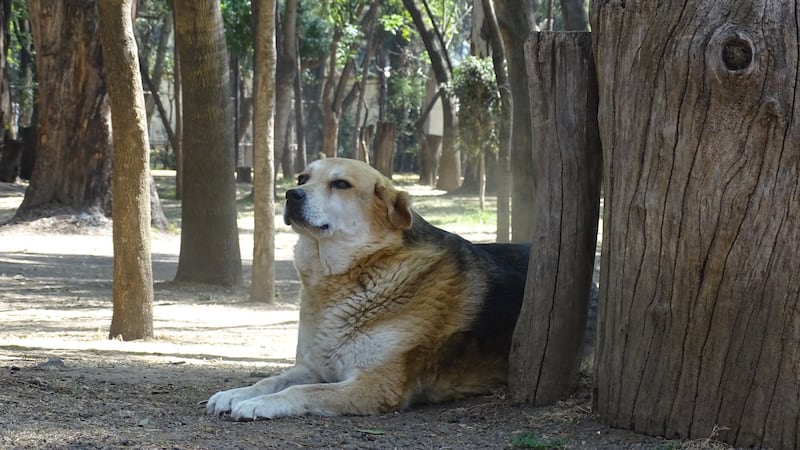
x=64 y=385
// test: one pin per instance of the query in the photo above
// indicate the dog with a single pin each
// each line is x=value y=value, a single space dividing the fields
x=393 y=310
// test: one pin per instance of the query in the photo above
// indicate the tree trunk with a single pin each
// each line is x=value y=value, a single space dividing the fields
x=133 y=277
x=300 y=159
x=574 y=15
x=516 y=27
x=383 y=148
x=177 y=146
x=700 y=122
x=450 y=161
x=284 y=85
x=209 y=235
x=504 y=133
x=545 y=352
x=262 y=284
x=73 y=165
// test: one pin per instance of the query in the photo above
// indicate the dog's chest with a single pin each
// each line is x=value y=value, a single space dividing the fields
x=355 y=320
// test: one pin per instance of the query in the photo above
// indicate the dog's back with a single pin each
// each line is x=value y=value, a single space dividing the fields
x=474 y=360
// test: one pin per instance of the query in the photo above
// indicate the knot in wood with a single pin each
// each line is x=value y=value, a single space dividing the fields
x=737 y=53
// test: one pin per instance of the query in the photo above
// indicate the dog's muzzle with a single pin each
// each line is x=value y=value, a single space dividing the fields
x=293 y=210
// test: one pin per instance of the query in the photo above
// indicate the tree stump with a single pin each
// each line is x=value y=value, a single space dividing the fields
x=700 y=318
x=545 y=352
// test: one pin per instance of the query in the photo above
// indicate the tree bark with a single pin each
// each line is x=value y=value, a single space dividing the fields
x=262 y=284
x=285 y=73
x=73 y=164
x=504 y=133
x=300 y=159
x=384 y=146
x=516 y=26
x=699 y=323
x=546 y=348
x=450 y=161
x=574 y=15
x=133 y=278
x=209 y=235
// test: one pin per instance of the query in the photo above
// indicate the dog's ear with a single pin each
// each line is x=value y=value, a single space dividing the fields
x=397 y=203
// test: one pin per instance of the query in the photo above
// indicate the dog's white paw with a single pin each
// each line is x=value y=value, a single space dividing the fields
x=263 y=406
x=225 y=401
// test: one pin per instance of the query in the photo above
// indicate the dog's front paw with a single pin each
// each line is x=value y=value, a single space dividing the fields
x=225 y=401
x=264 y=406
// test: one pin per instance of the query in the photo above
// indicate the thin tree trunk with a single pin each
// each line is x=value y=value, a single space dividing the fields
x=209 y=234
x=384 y=143
x=504 y=133
x=177 y=146
x=262 y=284
x=574 y=15
x=700 y=311
x=300 y=160
x=516 y=26
x=450 y=161
x=285 y=75
x=133 y=277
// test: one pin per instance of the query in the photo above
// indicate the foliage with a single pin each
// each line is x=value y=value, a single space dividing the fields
x=475 y=87
x=237 y=17
x=532 y=441
x=314 y=32
x=21 y=61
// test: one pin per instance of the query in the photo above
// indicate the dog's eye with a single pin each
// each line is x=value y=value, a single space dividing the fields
x=341 y=184
x=302 y=179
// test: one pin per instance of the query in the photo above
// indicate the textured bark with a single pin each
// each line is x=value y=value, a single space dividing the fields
x=545 y=352
x=133 y=278
x=262 y=285
x=285 y=74
x=209 y=235
x=574 y=15
x=449 y=165
x=73 y=164
x=384 y=147
x=516 y=27
x=700 y=317
x=503 y=168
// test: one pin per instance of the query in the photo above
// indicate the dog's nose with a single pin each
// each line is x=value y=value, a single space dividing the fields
x=295 y=195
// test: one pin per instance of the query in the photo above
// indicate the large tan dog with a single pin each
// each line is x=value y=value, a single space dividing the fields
x=393 y=311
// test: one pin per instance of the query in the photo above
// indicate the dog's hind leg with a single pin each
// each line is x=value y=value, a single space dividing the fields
x=224 y=401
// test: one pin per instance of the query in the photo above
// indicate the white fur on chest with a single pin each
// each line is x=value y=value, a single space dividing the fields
x=349 y=330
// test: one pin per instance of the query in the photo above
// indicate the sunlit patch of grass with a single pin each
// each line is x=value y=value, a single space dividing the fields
x=462 y=211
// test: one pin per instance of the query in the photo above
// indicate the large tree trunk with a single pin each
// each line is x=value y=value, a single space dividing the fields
x=209 y=235
x=546 y=349
x=700 y=123
x=133 y=275
x=516 y=26
x=262 y=284
x=73 y=164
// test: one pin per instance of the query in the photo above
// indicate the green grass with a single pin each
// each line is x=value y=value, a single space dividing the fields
x=445 y=210
x=533 y=441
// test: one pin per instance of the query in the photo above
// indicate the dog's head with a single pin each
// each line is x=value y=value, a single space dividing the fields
x=346 y=198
